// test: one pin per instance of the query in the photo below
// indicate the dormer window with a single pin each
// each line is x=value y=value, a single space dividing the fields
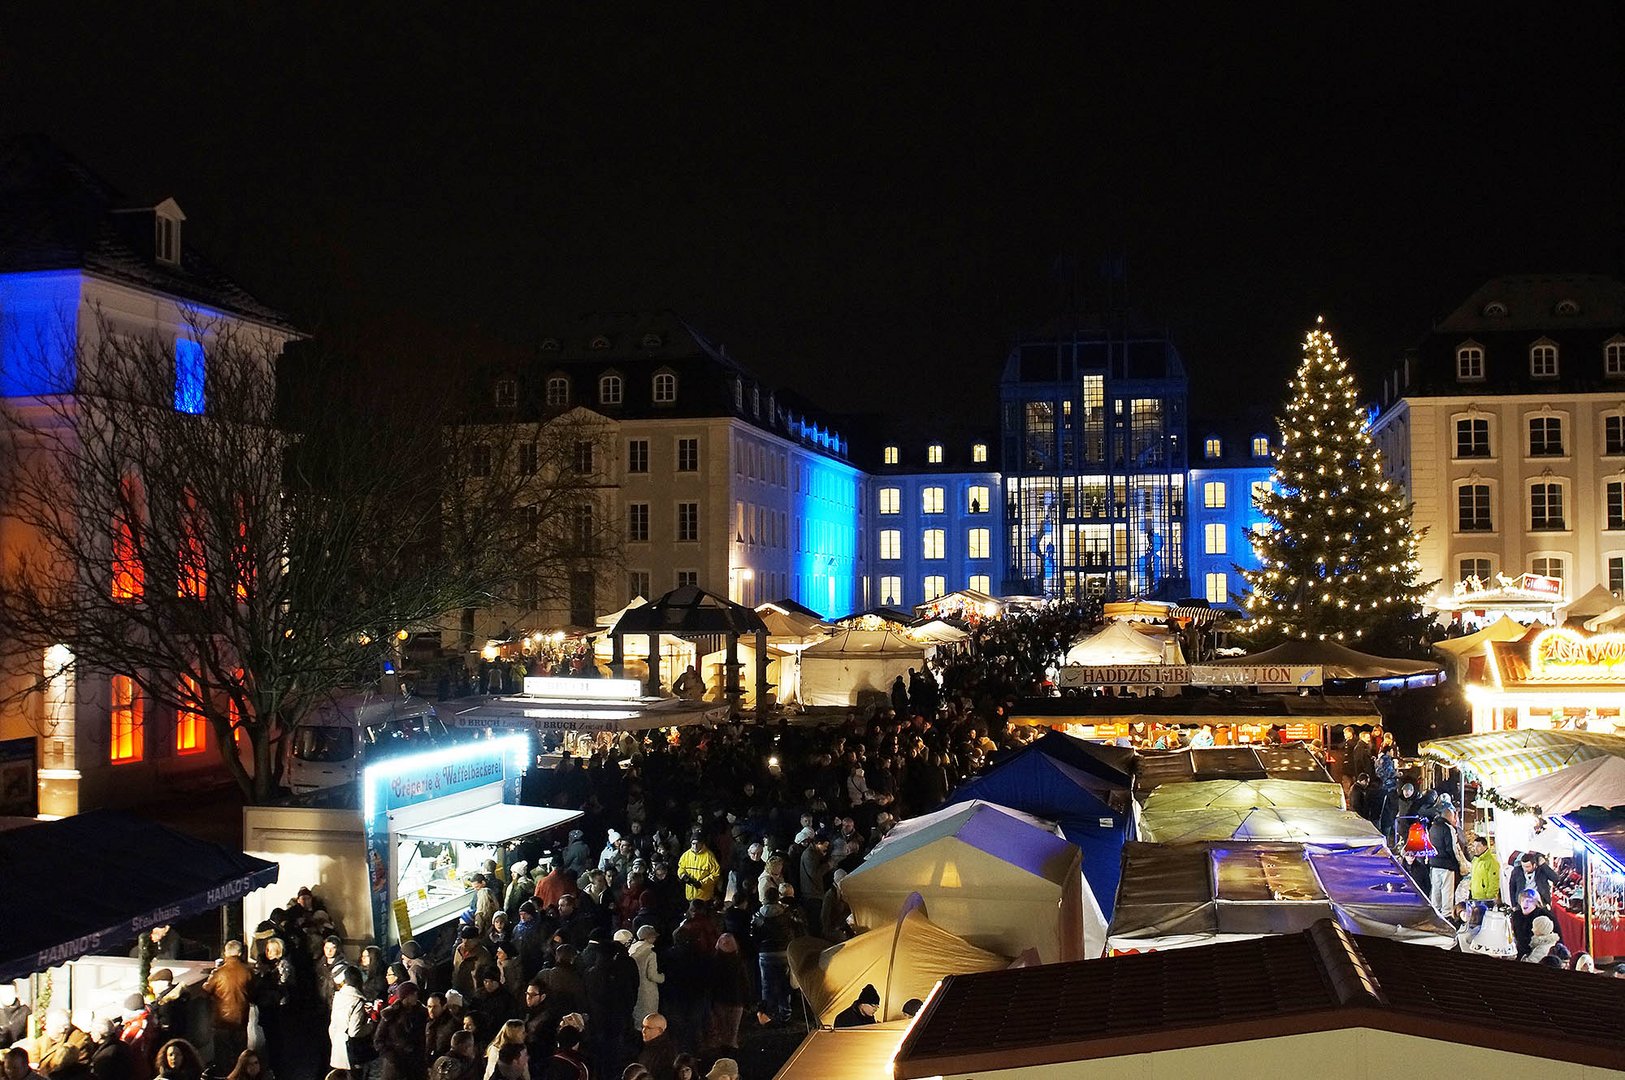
x=739 y=395
x=1261 y=446
x=933 y=454
x=1543 y=359
x=550 y=344
x=651 y=341
x=599 y=343
x=166 y=232
x=978 y=452
x=665 y=388
x=756 y=400
x=1613 y=357
x=558 y=390
x=507 y=393
x=889 y=455
x=1212 y=447
x=1567 y=307
x=1470 y=362
x=609 y=390
x=1495 y=310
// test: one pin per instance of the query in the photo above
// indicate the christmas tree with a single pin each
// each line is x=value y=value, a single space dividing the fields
x=1339 y=562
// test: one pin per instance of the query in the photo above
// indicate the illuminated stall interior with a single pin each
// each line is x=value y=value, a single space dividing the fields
x=1553 y=678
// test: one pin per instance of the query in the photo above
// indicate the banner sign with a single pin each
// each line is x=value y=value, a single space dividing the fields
x=1275 y=676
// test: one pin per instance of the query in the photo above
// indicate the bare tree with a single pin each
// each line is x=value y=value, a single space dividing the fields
x=170 y=530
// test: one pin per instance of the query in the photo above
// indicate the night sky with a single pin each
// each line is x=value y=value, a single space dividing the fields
x=864 y=205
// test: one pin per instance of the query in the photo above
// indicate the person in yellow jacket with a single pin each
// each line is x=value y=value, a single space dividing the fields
x=1484 y=882
x=698 y=869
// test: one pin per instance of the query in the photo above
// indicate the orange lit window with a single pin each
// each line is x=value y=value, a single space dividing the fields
x=193 y=580
x=242 y=558
x=125 y=741
x=234 y=714
x=128 y=575
x=189 y=736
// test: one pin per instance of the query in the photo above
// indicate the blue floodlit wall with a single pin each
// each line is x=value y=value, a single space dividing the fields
x=189 y=376
x=910 y=522
x=37 y=331
x=1238 y=517
x=824 y=508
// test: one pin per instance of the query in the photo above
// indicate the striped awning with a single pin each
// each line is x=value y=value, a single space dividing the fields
x=1506 y=757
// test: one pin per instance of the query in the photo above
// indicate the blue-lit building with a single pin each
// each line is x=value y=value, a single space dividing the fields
x=934 y=518
x=1093 y=456
x=1232 y=463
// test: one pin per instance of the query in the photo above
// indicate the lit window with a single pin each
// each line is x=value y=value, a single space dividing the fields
x=1261 y=491
x=739 y=394
x=125 y=737
x=933 y=454
x=976 y=499
x=890 y=499
x=932 y=544
x=1548 y=567
x=1613 y=358
x=610 y=390
x=1473 y=508
x=891 y=591
x=688 y=455
x=1470 y=363
x=978 y=452
x=1213 y=495
x=637 y=524
x=1261 y=446
x=1212 y=447
x=931 y=500
x=1545 y=436
x=192 y=578
x=1218 y=588
x=688 y=521
x=891 y=544
x=1546 y=506
x=890 y=455
x=558 y=390
x=189 y=722
x=1473 y=437
x=129 y=575
x=1543 y=360
x=981 y=583
x=637 y=455
x=507 y=394
x=189 y=377
x=1475 y=570
x=1214 y=536
x=978 y=543
x=935 y=586
x=665 y=388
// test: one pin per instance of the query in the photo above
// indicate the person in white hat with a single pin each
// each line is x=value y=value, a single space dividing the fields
x=724 y=1068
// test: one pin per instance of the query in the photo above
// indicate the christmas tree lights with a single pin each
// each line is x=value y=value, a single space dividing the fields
x=1340 y=561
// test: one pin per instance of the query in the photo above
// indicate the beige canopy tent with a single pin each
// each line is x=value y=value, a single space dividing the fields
x=1598 y=601
x=780 y=669
x=998 y=882
x=1461 y=650
x=1498 y=758
x=1120 y=643
x=937 y=632
x=1597 y=782
x=901 y=961
x=1310 y=825
x=855 y=662
x=1243 y=795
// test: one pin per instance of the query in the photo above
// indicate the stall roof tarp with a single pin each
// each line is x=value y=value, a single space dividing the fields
x=901 y=961
x=114 y=876
x=1506 y=757
x=498 y=823
x=1604 y=829
x=856 y=1053
x=1114 y=764
x=1177 y=895
x=583 y=715
x=1118 y=643
x=1599 y=601
x=1506 y=628
x=605 y=622
x=1002 y=884
x=1311 y=825
x=1335 y=661
x=1597 y=782
x=1245 y=795
x=937 y=632
x=1254 y=762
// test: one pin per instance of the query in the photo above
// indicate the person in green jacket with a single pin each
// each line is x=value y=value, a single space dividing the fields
x=1484 y=887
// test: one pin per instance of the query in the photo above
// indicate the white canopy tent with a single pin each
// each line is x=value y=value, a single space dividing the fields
x=1597 y=782
x=855 y=662
x=1120 y=643
x=937 y=632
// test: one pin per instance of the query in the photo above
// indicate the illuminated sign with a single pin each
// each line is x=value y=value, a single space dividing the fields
x=548 y=686
x=1567 y=654
x=1276 y=675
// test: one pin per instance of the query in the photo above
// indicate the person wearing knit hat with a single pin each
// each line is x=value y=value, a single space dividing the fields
x=861 y=1011
x=623 y=936
x=723 y=1068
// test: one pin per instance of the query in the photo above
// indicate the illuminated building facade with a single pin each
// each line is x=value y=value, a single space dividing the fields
x=1506 y=425
x=78 y=261
x=1231 y=464
x=1092 y=448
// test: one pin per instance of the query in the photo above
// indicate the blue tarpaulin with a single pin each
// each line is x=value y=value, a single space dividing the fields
x=1086 y=806
x=90 y=883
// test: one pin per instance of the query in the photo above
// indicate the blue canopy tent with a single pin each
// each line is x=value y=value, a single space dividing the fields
x=1092 y=812
x=124 y=875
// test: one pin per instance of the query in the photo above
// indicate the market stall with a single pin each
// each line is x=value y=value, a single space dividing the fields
x=1118 y=643
x=902 y=961
x=578 y=715
x=854 y=1053
x=1598 y=926
x=1259 y=761
x=1001 y=883
x=1461 y=652
x=858 y=662
x=1232 y=714
x=1174 y=896
x=1557 y=678
x=1498 y=758
x=1307 y=825
x=966 y=606
x=1341 y=663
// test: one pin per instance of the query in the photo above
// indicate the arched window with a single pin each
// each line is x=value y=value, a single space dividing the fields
x=1470 y=362
x=609 y=390
x=558 y=390
x=1543 y=359
x=665 y=388
x=599 y=343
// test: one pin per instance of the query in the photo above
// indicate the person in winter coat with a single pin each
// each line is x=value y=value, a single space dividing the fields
x=776 y=926
x=565 y=988
x=1543 y=941
x=577 y=858
x=612 y=990
x=348 y=1021
x=230 y=989
x=1447 y=861
x=492 y=1005
x=658 y=1054
x=698 y=869
x=730 y=993
x=642 y=952
x=772 y=877
x=567 y=1062
x=520 y=888
x=1524 y=916
x=834 y=910
x=1533 y=872
x=374 y=975
x=554 y=885
x=467 y=960
x=862 y=1011
x=401 y=1036
x=439 y=1026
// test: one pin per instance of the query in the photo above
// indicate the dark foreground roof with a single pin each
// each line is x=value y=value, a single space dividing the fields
x=1323 y=979
x=690 y=611
x=92 y=882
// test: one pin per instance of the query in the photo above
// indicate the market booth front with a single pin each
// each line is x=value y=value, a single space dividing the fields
x=579 y=715
x=1599 y=844
x=1234 y=715
x=1554 y=678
